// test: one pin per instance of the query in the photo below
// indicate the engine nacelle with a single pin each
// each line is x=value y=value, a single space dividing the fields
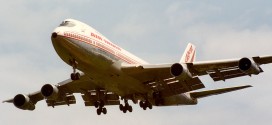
x=50 y=91
x=178 y=70
x=248 y=66
x=23 y=102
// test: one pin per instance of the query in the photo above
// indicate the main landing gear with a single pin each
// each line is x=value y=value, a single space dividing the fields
x=158 y=98
x=145 y=105
x=125 y=107
x=100 y=107
x=75 y=75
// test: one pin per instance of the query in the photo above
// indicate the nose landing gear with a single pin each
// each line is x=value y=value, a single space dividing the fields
x=75 y=75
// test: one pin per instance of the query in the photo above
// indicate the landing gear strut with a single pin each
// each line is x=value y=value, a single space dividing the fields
x=125 y=107
x=158 y=98
x=100 y=104
x=75 y=75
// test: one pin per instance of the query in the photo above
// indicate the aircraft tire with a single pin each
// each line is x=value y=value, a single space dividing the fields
x=77 y=76
x=121 y=107
x=141 y=104
x=130 y=108
x=104 y=110
x=149 y=105
x=98 y=111
x=124 y=110
x=144 y=107
x=73 y=77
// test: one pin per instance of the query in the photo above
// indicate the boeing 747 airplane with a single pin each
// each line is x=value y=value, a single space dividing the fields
x=106 y=74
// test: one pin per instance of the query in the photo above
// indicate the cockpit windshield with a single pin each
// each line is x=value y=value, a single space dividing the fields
x=67 y=23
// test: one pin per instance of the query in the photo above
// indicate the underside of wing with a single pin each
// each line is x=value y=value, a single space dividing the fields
x=227 y=69
x=177 y=78
x=161 y=79
x=63 y=94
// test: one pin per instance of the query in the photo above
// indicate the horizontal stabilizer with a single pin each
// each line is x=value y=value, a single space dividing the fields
x=8 y=101
x=216 y=91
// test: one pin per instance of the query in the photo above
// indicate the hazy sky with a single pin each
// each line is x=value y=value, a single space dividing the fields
x=156 y=31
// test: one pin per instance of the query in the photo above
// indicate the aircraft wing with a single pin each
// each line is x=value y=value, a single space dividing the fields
x=63 y=94
x=160 y=78
x=35 y=97
x=227 y=69
x=160 y=74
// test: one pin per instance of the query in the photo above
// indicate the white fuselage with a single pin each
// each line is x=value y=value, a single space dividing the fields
x=100 y=59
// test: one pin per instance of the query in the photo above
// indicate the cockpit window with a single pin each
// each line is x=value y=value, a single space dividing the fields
x=67 y=23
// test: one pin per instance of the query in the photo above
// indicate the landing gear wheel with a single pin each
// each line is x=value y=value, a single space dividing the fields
x=104 y=110
x=149 y=105
x=157 y=102
x=145 y=104
x=126 y=105
x=121 y=107
x=130 y=108
x=75 y=76
x=98 y=111
x=125 y=110
x=141 y=104
x=144 y=107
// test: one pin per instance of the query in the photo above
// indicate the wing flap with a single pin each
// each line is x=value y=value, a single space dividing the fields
x=228 y=74
x=207 y=93
x=64 y=101
x=110 y=99
x=177 y=87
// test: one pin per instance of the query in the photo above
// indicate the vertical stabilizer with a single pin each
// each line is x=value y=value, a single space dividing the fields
x=189 y=54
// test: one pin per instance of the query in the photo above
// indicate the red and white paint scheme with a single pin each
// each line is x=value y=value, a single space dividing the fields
x=106 y=74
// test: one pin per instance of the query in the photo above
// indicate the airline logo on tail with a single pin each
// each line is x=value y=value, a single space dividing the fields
x=189 y=54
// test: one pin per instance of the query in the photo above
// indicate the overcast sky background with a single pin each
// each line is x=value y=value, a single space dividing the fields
x=157 y=31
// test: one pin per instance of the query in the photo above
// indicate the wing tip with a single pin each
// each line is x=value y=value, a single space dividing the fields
x=247 y=86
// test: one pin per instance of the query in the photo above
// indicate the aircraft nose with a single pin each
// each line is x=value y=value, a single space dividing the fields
x=54 y=35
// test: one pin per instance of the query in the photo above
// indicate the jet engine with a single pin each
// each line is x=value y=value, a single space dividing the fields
x=50 y=91
x=23 y=102
x=248 y=66
x=178 y=70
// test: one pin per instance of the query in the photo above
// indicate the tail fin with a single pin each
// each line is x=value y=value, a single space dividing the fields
x=189 y=54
